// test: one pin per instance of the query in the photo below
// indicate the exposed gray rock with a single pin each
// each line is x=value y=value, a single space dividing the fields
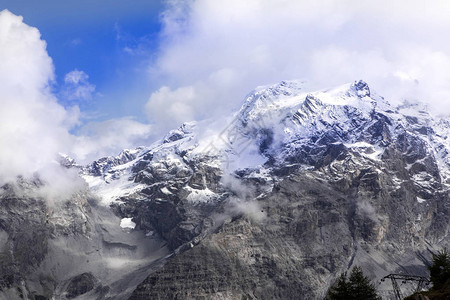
x=80 y=284
x=365 y=189
x=346 y=180
x=314 y=226
x=69 y=250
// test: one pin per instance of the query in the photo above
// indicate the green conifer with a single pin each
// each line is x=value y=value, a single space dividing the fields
x=356 y=287
x=440 y=269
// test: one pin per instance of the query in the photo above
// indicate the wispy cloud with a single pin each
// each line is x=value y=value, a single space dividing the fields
x=132 y=45
x=98 y=139
x=76 y=42
x=77 y=86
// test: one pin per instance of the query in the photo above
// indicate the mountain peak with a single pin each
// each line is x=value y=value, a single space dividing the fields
x=361 y=88
x=335 y=169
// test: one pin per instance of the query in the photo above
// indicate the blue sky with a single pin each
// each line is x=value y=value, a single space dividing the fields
x=112 y=41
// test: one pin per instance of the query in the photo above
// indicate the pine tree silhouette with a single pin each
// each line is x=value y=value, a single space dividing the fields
x=440 y=269
x=356 y=287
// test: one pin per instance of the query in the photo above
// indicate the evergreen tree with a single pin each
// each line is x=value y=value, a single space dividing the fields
x=360 y=286
x=340 y=290
x=357 y=287
x=440 y=269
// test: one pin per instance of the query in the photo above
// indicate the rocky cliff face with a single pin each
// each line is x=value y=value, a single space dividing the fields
x=68 y=249
x=331 y=179
x=348 y=180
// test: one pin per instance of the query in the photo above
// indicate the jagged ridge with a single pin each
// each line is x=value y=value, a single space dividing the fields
x=348 y=179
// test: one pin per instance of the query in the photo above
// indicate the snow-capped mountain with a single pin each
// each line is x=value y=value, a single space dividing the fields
x=300 y=186
x=382 y=170
x=289 y=126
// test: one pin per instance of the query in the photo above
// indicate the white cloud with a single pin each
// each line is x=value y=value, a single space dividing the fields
x=175 y=105
x=219 y=52
x=76 y=42
x=98 y=139
x=34 y=127
x=77 y=86
x=212 y=54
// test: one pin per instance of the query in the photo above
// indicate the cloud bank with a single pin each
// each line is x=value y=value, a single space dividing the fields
x=34 y=127
x=212 y=54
